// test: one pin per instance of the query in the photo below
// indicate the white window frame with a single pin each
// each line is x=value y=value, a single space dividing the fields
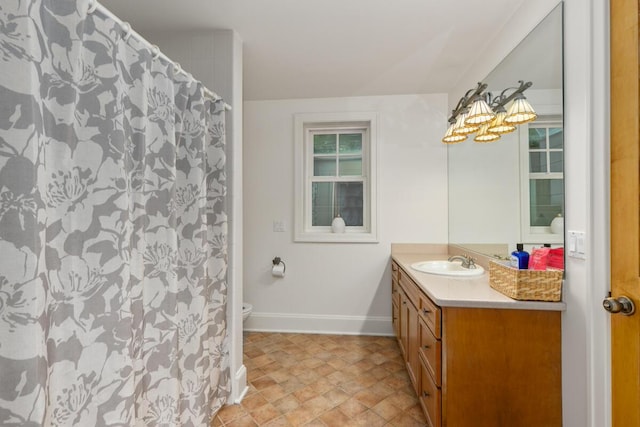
x=533 y=234
x=305 y=125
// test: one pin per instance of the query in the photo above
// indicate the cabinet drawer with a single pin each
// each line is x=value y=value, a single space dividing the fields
x=430 y=313
x=410 y=288
x=431 y=352
x=430 y=398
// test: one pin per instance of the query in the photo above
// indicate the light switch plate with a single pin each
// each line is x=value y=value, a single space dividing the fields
x=279 y=227
x=576 y=244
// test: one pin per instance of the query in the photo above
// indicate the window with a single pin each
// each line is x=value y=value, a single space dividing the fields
x=335 y=174
x=543 y=180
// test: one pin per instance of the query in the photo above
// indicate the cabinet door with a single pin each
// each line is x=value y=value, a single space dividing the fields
x=395 y=319
x=402 y=322
x=395 y=301
x=413 y=345
x=394 y=292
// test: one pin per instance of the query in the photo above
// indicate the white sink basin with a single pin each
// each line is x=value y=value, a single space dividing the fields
x=447 y=268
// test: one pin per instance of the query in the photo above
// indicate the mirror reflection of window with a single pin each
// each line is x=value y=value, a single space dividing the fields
x=545 y=175
x=545 y=201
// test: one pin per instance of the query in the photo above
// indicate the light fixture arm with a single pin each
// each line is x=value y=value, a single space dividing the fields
x=466 y=100
x=502 y=99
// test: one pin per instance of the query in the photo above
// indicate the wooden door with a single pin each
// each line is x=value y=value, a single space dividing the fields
x=625 y=208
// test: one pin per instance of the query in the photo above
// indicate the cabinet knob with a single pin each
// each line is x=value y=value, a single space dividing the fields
x=427 y=346
x=425 y=311
x=404 y=302
x=425 y=394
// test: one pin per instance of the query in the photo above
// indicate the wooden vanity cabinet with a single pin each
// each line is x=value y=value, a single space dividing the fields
x=409 y=304
x=408 y=335
x=395 y=300
x=413 y=364
x=480 y=367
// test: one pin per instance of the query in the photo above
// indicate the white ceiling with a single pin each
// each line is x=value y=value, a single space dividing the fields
x=327 y=48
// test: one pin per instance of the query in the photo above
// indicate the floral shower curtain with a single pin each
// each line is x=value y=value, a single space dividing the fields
x=112 y=228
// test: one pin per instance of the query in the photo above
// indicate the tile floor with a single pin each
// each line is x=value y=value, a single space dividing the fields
x=323 y=380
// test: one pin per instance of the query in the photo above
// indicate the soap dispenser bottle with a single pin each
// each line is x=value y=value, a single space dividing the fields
x=520 y=258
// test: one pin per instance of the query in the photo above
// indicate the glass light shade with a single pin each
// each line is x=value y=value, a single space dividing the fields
x=461 y=128
x=520 y=112
x=485 y=136
x=452 y=138
x=480 y=113
x=498 y=126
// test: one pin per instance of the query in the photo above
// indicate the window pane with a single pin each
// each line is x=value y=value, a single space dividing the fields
x=546 y=200
x=350 y=202
x=351 y=143
x=351 y=167
x=556 y=160
x=538 y=162
x=537 y=138
x=555 y=138
x=323 y=166
x=321 y=203
x=324 y=144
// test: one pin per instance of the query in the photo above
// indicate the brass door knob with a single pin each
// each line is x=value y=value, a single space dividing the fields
x=622 y=305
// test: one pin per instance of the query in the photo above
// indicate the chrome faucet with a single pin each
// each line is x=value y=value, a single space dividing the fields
x=467 y=261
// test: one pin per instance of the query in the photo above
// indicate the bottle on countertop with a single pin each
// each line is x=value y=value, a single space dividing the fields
x=520 y=258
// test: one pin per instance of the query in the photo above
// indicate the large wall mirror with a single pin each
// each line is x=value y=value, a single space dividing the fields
x=509 y=191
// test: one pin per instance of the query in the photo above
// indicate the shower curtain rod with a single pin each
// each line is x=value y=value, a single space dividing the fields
x=94 y=5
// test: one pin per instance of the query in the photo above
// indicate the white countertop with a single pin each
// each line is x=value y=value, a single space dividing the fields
x=474 y=292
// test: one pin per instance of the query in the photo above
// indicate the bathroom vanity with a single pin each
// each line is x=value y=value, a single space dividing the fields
x=476 y=357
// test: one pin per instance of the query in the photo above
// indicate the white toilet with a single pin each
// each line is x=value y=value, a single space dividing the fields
x=246 y=310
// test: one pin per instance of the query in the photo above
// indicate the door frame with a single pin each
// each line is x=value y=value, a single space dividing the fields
x=586 y=326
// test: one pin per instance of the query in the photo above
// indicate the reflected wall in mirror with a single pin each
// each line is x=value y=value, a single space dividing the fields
x=510 y=191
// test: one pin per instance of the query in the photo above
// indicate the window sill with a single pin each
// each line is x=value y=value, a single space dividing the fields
x=353 y=237
x=542 y=237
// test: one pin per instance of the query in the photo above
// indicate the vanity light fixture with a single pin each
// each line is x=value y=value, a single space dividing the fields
x=520 y=111
x=478 y=111
x=462 y=127
x=452 y=138
x=498 y=126
x=485 y=136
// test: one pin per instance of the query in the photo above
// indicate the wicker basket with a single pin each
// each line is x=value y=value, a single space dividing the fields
x=526 y=285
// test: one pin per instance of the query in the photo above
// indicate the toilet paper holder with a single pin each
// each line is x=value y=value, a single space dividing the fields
x=277 y=260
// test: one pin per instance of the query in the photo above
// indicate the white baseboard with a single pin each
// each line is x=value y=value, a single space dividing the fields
x=319 y=324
